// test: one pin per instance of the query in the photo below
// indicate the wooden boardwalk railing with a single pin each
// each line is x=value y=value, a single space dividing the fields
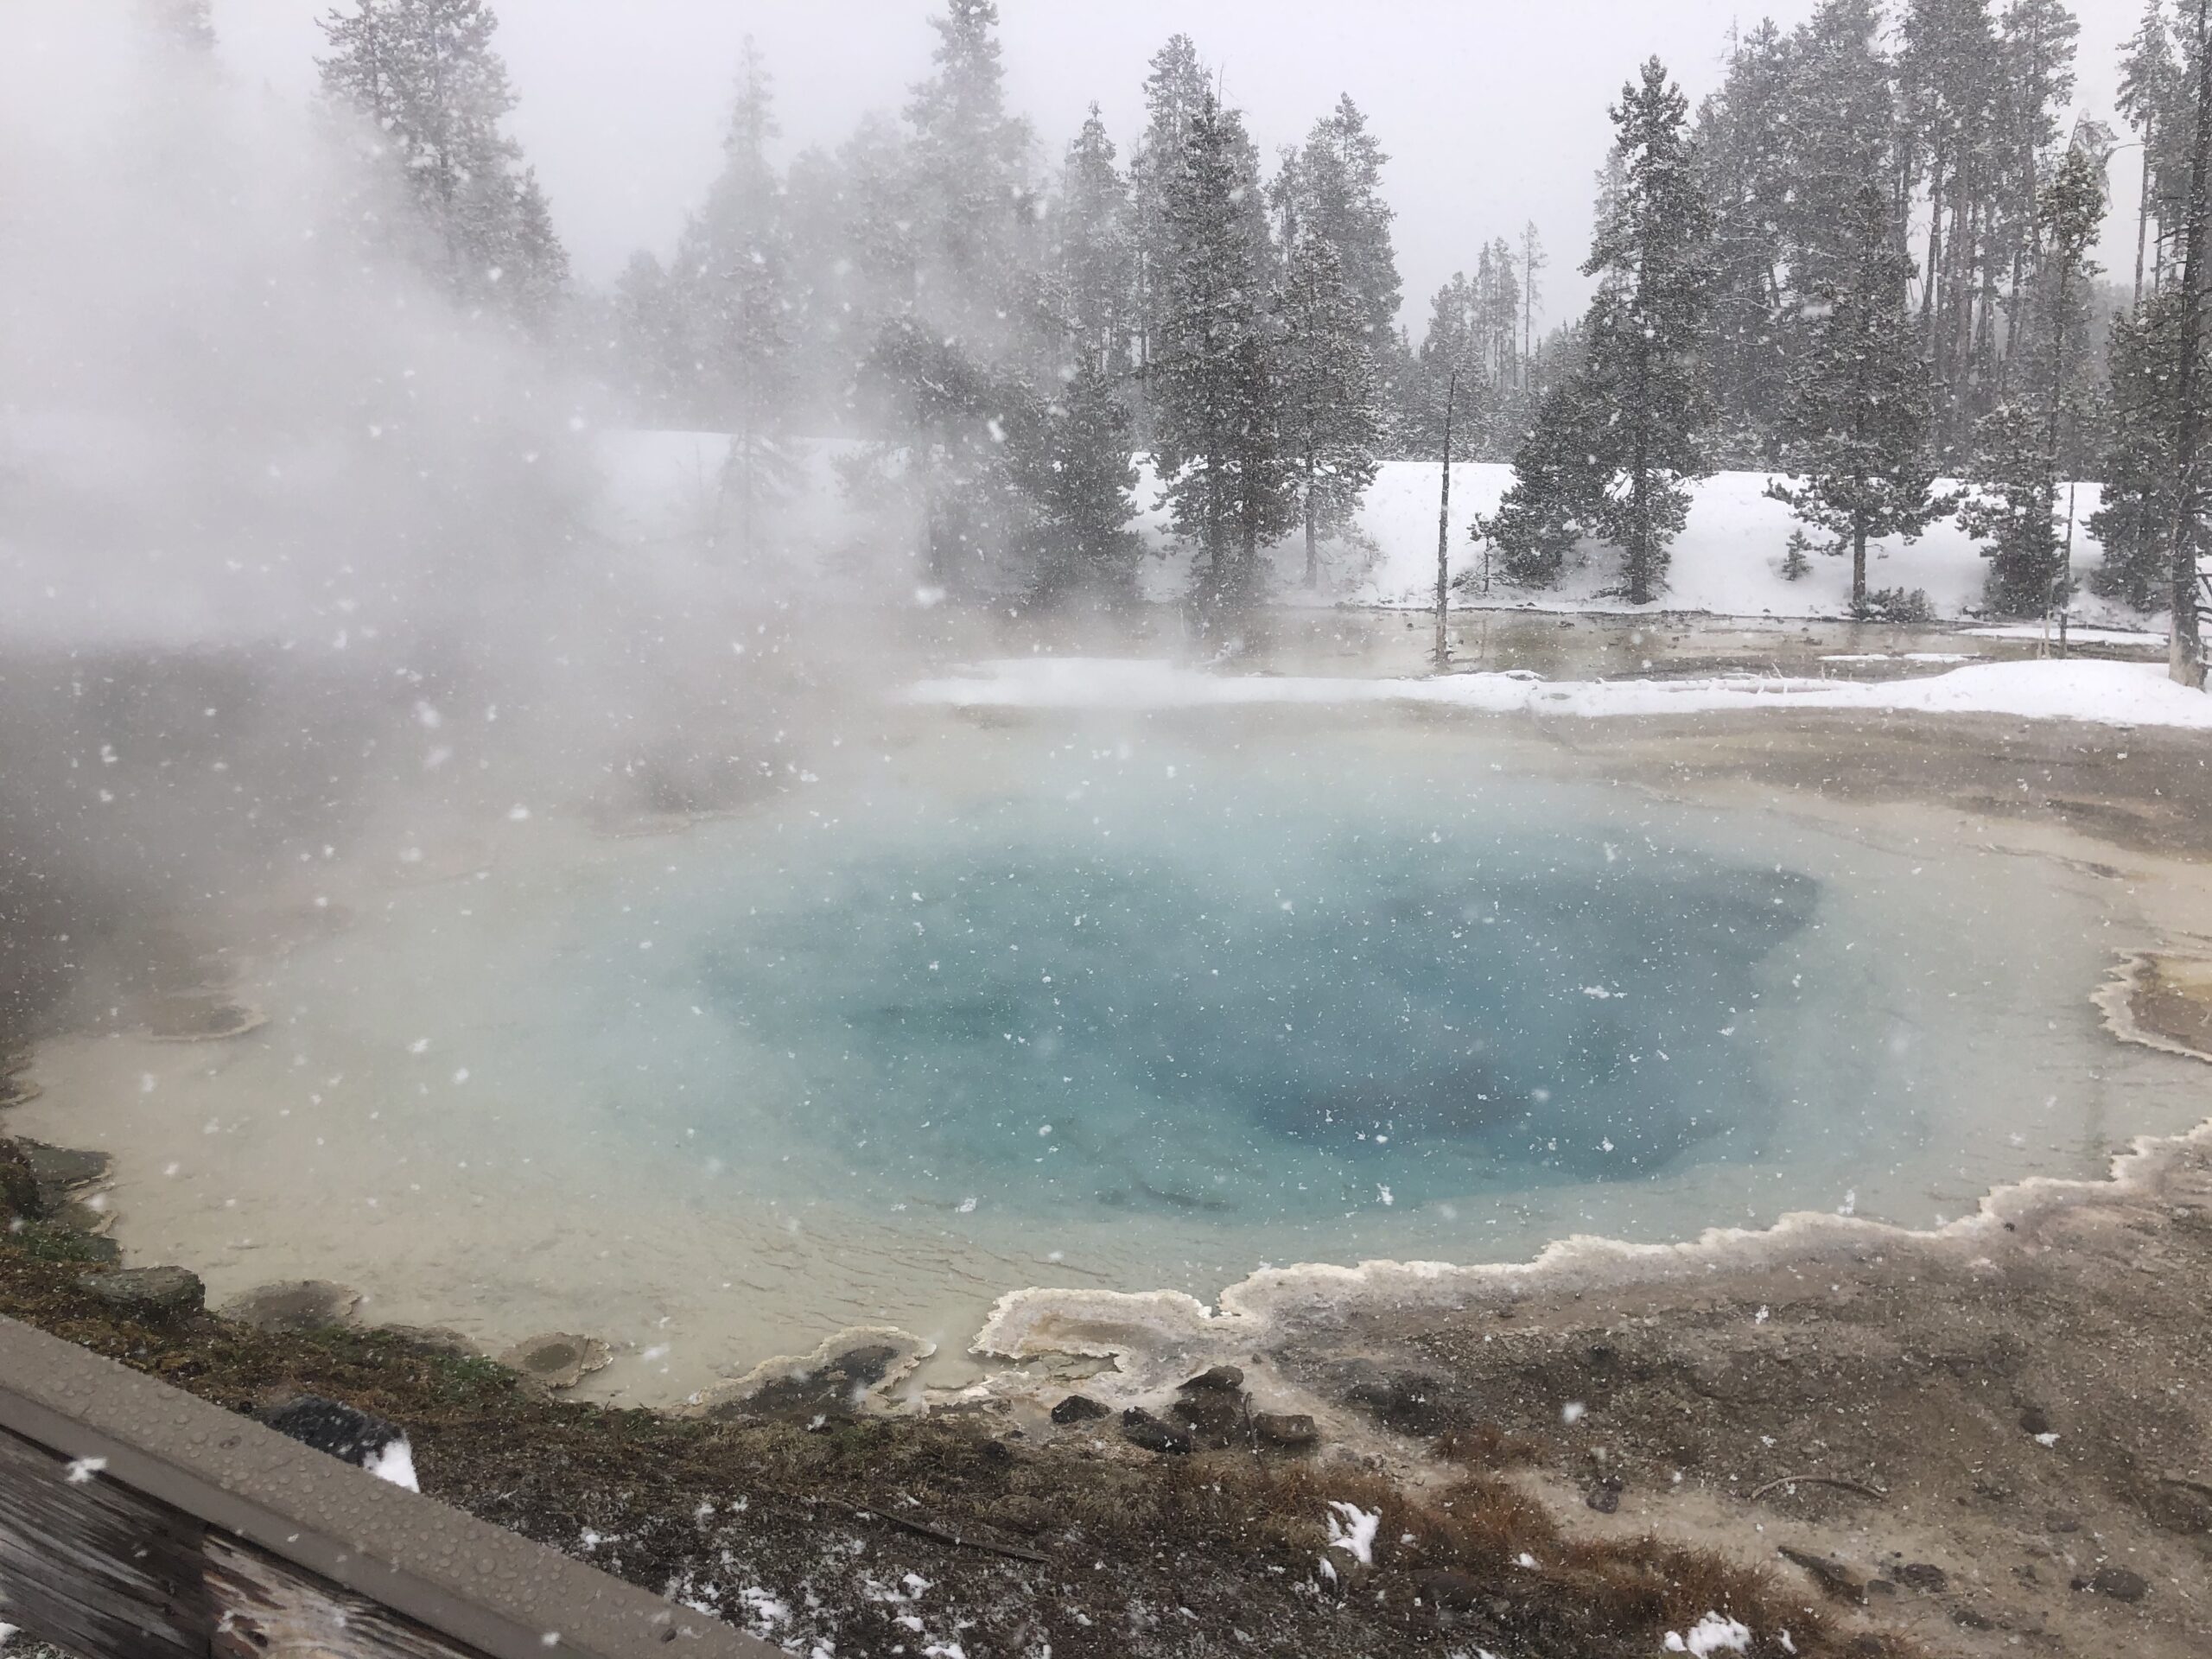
x=139 y=1523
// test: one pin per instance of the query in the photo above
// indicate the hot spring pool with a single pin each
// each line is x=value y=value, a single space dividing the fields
x=1132 y=1004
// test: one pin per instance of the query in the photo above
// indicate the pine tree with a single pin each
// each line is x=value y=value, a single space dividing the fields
x=1074 y=461
x=2022 y=441
x=181 y=22
x=1532 y=261
x=1616 y=448
x=1449 y=350
x=1555 y=491
x=2035 y=39
x=951 y=459
x=733 y=262
x=2136 y=515
x=1840 y=137
x=1858 y=408
x=1949 y=73
x=1214 y=401
x=1096 y=254
x=1340 y=177
x=2149 y=73
x=1335 y=186
x=1174 y=91
x=1743 y=170
x=424 y=75
x=540 y=263
x=653 y=343
x=971 y=193
x=1331 y=413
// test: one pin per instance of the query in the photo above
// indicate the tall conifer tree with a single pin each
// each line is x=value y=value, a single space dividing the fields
x=1216 y=404
x=735 y=262
x=424 y=74
x=1617 y=445
x=1858 y=408
x=1331 y=412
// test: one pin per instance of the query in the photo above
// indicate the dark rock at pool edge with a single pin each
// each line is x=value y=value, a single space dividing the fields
x=1220 y=1379
x=154 y=1294
x=1142 y=1429
x=2117 y=1583
x=1079 y=1409
x=557 y=1359
x=1411 y=1402
x=1213 y=1418
x=1286 y=1430
x=295 y=1304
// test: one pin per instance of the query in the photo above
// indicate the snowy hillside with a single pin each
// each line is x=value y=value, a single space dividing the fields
x=1728 y=561
x=660 y=487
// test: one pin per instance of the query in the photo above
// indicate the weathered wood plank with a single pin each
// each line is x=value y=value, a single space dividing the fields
x=267 y=1609
x=94 y=1567
x=426 y=1565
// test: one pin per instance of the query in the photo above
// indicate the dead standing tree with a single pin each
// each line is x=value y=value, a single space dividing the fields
x=2185 y=652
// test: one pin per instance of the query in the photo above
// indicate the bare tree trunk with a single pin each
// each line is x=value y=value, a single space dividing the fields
x=1443 y=656
x=1934 y=252
x=2054 y=599
x=1313 y=531
x=1639 y=552
x=2142 y=211
x=2186 y=649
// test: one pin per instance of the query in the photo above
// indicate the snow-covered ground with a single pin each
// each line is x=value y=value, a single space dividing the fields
x=1727 y=562
x=661 y=487
x=2113 y=694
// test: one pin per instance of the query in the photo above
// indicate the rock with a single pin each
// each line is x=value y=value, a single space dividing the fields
x=1452 y=1592
x=1287 y=1431
x=1923 y=1575
x=1407 y=1402
x=1214 y=1419
x=2118 y=1583
x=832 y=1383
x=435 y=1337
x=91 y=1217
x=1605 y=1495
x=155 y=1293
x=557 y=1360
x=1142 y=1429
x=1079 y=1409
x=1835 y=1580
x=1219 y=1379
x=57 y=1169
x=295 y=1304
x=2034 y=1420
x=348 y=1434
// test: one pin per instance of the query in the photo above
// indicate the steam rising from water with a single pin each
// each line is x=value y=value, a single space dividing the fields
x=301 y=559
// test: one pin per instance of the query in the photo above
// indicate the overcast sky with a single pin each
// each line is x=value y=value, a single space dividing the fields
x=1493 y=111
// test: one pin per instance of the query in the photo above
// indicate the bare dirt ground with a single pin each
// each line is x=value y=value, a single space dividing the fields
x=1999 y=1443
x=1985 y=1445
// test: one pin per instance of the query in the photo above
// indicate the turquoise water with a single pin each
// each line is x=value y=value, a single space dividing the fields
x=1130 y=1003
x=1244 y=997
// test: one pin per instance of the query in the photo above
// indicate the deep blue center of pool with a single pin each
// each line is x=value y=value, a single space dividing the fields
x=1270 y=1006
